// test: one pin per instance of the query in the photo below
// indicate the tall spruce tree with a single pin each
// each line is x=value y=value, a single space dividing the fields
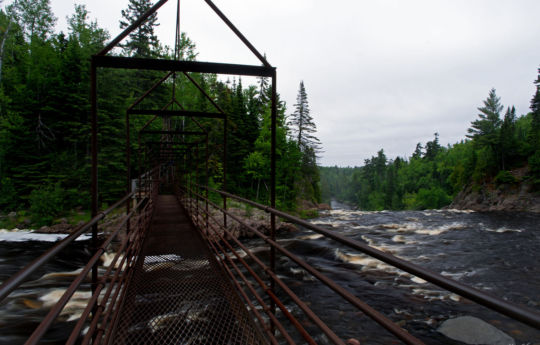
x=142 y=42
x=507 y=137
x=302 y=129
x=485 y=128
x=301 y=123
x=535 y=108
x=534 y=135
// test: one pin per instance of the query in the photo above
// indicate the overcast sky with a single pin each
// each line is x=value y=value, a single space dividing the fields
x=379 y=74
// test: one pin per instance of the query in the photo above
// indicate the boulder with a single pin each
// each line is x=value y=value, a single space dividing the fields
x=324 y=207
x=472 y=330
x=62 y=228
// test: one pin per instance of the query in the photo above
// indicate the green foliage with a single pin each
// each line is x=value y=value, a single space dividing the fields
x=8 y=194
x=432 y=198
x=46 y=203
x=142 y=41
x=308 y=214
x=504 y=177
x=534 y=165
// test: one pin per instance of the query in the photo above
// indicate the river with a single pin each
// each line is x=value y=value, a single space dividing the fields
x=494 y=252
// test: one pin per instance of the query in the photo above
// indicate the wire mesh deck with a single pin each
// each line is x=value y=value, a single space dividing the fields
x=179 y=294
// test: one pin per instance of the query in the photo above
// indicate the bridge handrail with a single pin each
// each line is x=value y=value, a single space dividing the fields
x=517 y=312
x=365 y=308
x=61 y=303
x=20 y=277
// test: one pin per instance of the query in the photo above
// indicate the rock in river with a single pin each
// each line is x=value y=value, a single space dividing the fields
x=472 y=330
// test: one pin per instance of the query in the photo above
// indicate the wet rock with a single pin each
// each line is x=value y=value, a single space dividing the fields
x=324 y=207
x=505 y=197
x=287 y=227
x=472 y=330
x=62 y=228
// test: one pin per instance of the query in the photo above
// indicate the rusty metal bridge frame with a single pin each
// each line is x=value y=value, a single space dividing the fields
x=177 y=276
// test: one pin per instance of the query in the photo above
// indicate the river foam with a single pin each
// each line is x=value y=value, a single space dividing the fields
x=29 y=235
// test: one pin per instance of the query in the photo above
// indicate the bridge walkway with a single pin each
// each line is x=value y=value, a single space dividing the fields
x=179 y=294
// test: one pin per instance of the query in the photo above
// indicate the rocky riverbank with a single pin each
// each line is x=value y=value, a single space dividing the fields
x=505 y=197
x=251 y=217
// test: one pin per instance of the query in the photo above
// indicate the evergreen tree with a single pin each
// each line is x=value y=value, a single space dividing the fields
x=418 y=151
x=35 y=17
x=432 y=148
x=301 y=123
x=484 y=129
x=142 y=41
x=507 y=137
x=534 y=137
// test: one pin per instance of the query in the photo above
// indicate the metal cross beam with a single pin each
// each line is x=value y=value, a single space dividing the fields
x=182 y=66
x=173 y=132
x=160 y=112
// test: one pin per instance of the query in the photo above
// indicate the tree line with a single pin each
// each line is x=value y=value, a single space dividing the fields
x=497 y=144
x=45 y=109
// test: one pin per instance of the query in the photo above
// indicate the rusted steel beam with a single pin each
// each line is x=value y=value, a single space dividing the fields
x=167 y=143
x=238 y=33
x=162 y=112
x=173 y=132
x=194 y=82
x=153 y=143
x=182 y=66
x=132 y=27
x=273 y=125
x=149 y=91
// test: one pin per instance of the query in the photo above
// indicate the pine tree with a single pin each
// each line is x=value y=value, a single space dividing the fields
x=34 y=16
x=507 y=137
x=142 y=42
x=534 y=137
x=301 y=123
x=484 y=129
x=418 y=151
x=485 y=133
x=432 y=148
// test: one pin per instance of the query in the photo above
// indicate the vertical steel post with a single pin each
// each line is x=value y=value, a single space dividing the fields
x=128 y=172
x=224 y=187
x=94 y=169
x=140 y=160
x=197 y=183
x=273 y=182
x=207 y=181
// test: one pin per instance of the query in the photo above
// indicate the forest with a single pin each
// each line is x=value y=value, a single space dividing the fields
x=45 y=107
x=498 y=149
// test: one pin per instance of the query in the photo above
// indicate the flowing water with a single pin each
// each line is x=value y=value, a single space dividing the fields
x=495 y=252
x=498 y=253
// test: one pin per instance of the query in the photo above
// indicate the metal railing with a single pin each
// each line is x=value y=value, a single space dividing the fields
x=109 y=284
x=223 y=242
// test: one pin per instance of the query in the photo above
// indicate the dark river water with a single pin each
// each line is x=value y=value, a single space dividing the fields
x=495 y=252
